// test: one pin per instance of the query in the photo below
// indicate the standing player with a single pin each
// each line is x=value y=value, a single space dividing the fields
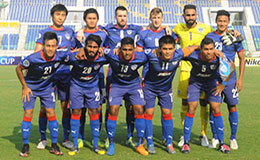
x=192 y=32
x=38 y=82
x=84 y=91
x=149 y=39
x=158 y=83
x=204 y=77
x=91 y=18
x=125 y=80
x=66 y=42
x=233 y=86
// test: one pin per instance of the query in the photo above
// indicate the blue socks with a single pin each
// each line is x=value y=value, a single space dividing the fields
x=26 y=129
x=218 y=121
x=54 y=128
x=188 y=122
x=233 y=120
x=75 y=124
x=167 y=127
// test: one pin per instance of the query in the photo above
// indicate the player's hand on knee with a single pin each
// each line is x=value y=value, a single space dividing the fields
x=219 y=88
x=26 y=94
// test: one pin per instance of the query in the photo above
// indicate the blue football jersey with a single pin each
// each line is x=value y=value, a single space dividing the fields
x=115 y=35
x=40 y=71
x=66 y=42
x=229 y=51
x=125 y=72
x=203 y=71
x=150 y=38
x=160 y=73
x=85 y=73
x=102 y=34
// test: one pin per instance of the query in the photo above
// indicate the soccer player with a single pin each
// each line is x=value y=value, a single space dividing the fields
x=192 y=32
x=91 y=18
x=38 y=82
x=204 y=77
x=234 y=85
x=158 y=83
x=125 y=80
x=84 y=90
x=66 y=42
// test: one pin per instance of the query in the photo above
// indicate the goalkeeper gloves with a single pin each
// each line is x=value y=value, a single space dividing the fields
x=228 y=38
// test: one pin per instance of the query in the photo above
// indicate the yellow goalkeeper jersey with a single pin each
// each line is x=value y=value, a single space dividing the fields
x=190 y=36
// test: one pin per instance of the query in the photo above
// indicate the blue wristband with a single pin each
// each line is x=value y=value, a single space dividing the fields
x=224 y=83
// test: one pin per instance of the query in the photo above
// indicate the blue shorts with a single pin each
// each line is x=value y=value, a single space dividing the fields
x=165 y=99
x=84 y=97
x=134 y=92
x=230 y=94
x=47 y=99
x=195 y=89
x=62 y=86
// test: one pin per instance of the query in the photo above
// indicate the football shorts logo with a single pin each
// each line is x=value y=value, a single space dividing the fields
x=133 y=67
x=106 y=50
x=67 y=36
x=129 y=32
x=56 y=64
x=26 y=63
x=201 y=30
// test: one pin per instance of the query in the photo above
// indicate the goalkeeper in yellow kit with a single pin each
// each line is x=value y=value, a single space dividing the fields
x=192 y=32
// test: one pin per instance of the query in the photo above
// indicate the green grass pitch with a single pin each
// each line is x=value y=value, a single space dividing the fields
x=248 y=131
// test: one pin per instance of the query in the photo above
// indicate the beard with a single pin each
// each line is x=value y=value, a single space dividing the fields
x=89 y=56
x=190 y=22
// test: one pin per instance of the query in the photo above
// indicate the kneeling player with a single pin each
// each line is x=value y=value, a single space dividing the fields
x=38 y=82
x=84 y=89
x=125 y=81
x=204 y=77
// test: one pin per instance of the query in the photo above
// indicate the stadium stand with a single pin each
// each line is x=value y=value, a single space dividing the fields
x=254 y=4
x=9 y=41
x=256 y=36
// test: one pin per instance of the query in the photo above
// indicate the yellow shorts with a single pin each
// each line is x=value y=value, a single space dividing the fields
x=184 y=81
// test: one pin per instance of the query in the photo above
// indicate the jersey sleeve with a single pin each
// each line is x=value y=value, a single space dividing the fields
x=174 y=36
x=140 y=40
x=40 y=37
x=25 y=63
x=239 y=47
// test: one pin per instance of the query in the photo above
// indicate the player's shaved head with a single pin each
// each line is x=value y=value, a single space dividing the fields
x=120 y=8
x=167 y=39
x=88 y=11
x=58 y=7
x=206 y=41
x=49 y=36
x=94 y=38
x=223 y=13
x=189 y=6
x=127 y=40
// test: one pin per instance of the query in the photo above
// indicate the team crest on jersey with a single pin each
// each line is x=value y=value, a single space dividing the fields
x=96 y=67
x=56 y=64
x=106 y=51
x=212 y=67
x=67 y=36
x=133 y=67
x=201 y=30
x=174 y=62
x=129 y=32
x=26 y=63
x=146 y=51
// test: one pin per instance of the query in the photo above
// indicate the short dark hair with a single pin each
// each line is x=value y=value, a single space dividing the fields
x=58 y=7
x=167 y=39
x=206 y=41
x=49 y=36
x=94 y=38
x=223 y=13
x=127 y=40
x=189 y=6
x=90 y=10
x=122 y=8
